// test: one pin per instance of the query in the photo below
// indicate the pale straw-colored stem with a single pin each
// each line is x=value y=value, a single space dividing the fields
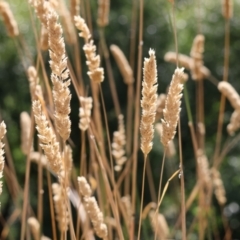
x=137 y=114
x=142 y=197
x=223 y=98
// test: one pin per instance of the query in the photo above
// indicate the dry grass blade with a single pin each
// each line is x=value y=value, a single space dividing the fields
x=2 y=134
x=172 y=107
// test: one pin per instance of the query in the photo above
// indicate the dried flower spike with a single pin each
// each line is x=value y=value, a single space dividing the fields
x=95 y=72
x=123 y=64
x=172 y=107
x=85 y=112
x=148 y=102
x=234 y=124
x=25 y=122
x=48 y=139
x=9 y=20
x=230 y=93
x=59 y=76
x=103 y=12
x=118 y=145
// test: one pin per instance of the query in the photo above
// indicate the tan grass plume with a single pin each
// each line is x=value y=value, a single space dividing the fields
x=148 y=102
x=48 y=140
x=9 y=20
x=234 y=124
x=197 y=57
x=219 y=189
x=172 y=107
x=123 y=64
x=25 y=123
x=103 y=12
x=59 y=76
x=230 y=93
x=34 y=227
x=92 y=208
x=62 y=214
x=95 y=72
x=118 y=144
x=85 y=112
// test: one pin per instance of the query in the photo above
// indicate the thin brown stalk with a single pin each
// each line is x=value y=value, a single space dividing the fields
x=26 y=184
x=183 y=207
x=136 y=117
x=142 y=197
x=223 y=98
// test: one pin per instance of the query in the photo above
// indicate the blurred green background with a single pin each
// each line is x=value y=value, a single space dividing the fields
x=157 y=34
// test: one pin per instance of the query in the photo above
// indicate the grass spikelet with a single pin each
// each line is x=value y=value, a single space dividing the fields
x=123 y=64
x=62 y=215
x=172 y=107
x=34 y=227
x=33 y=80
x=230 y=93
x=148 y=102
x=118 y=145
x=9 y=20
x=186 y=62
x=234 y=124
x=44 y=38
x=197 y=57
x=170 y=151
x=92 y=208
x=59 y=76
x=48 y=139
x=2 y=134
x=203 y=168
x=159 y=225
x=74 y=7
x=219 y=189
x=95 y=73
x=85 y=112
x=103 y=12
x=227 y=9
x=25 y=122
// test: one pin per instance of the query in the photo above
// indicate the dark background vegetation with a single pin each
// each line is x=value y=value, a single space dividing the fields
x=15 y=98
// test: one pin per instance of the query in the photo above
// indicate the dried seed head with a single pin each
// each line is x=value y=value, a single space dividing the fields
x=85 y=112
x=172 y=107
x=84 y=187
x=123 y=64
x=35 y=227
x=9 y=20
x=219 y=192
x=47 y=138
x=62 y=215
x=159 y=225
x=170 y=151
x=25 y=122
x=230 y=93
x=103 y=12
x=148 y=102
x=33 y=81
x=118 y=145
x=197 y=57
x=234 y=124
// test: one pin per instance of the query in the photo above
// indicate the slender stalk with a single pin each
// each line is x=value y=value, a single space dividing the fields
x=142 y=197
x=110 y=73
x=183 y=207
x=160 y=185
x=137 y=115
x=26 y=184
x=54 y=231
x=223 y=99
